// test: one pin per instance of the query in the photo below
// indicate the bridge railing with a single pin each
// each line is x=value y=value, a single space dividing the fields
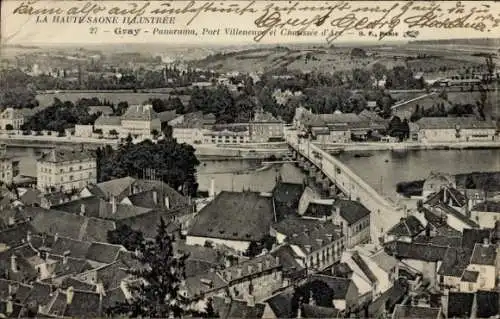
x=374 y=195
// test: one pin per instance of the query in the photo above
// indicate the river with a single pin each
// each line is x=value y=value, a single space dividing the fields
x=383 y=170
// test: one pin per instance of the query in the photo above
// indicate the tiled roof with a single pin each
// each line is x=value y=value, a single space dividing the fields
x=140 y=113
x=449 y=210
x=116 y=186
x=71 y=267
x=21 y=291
x=453 y=122
x=146 y=223
x=84 y=304
x=60 y=156
x=288 y=259
x=340 y=286
x=351 y=211
x=308 y=232
x=460 y=304
x=415 y=312
x=231 y=215
x=409 y=226
x=112 y=275
x=488 y=304
x=318 y=210
x=15 y=234
x=454 y=262
x=77 y=284
x=469 y=276
x=287 y=192
x=313 y=311
x=440 y=240
x=446 y=196
x=96 y=191
x=104 y=109
x=424 y=252
x=473 y=236
x=363 y=266
x=384 y=260
x=59 y=245
x=16 y=310
x=281 y=304
x=108 y=120
x=104 y=253
x=68 y=225
x=237 y=309
x=484 y=255
x=167 y=116
x=40 y=293
x=99 y=208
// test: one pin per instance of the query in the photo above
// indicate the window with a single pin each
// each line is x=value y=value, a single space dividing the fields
x=80 y=168
x=71 y=168
x=71 y=178
x=61 y=170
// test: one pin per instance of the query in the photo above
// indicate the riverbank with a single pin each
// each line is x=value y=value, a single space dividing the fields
x=34 y=141
x=256 y=151
x=407 y=146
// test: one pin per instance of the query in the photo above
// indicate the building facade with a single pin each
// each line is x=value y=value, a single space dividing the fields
x=447 y=129
x=66 y=170
x=140 y=120
x=11 y=118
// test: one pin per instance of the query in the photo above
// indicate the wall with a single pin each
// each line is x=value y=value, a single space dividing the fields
x=68 y=175
x=456 y=223
x=6 y=170
x=487 y=276
x=84 y=130
x=427 y=269
x=485 y=219
x=264 y=286
x=239 y=245
x=449 y=135
x=356 y=236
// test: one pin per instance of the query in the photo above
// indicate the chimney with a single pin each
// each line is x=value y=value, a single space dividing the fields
x=259 y=266
x=277 y=260
x=229 y=276
x=167 y=202
x=212 y=188
x=9 y=307
x=227 y=299
x=251 y=301
x=13 y=263
x=56 y=237
x=65 y=256
x=337 y=210
x=99 y=288
x=12 y=221
x=113 y=205
x=486 y=242
x=250 y=269
x=240 y=272
x=155 y=197
x=82 y=209
x=28 y=236
x=69 y=295
x=444 y=196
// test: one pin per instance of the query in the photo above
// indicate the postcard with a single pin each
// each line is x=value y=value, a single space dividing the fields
x=249 y=159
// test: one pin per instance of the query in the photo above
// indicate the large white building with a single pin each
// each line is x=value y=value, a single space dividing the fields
x=138 y=120
x=66 y=170
x=458 y=129
x=11 y=118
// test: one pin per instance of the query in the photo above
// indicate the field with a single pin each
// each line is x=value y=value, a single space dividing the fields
x=46 y=100
x=323 y=59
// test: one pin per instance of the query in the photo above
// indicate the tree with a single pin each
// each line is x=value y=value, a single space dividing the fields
x=490 y=67
x=113 y=132
x=9 y=127
x=126 y=236
x=120 y=108
x=156 y=295
x=155 y=133
x=379 y=70
x=174 y=163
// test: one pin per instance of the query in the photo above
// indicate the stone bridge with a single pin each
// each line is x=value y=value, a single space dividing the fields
x=337 y=176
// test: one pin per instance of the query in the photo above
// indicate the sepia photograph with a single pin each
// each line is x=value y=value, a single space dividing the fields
x=250 y=159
